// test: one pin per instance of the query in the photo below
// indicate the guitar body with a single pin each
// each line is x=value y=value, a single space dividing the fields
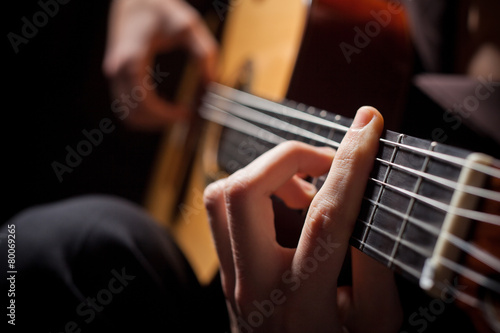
x=330 y=54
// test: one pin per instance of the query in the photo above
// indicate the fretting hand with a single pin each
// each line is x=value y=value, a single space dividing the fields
x=270 y=288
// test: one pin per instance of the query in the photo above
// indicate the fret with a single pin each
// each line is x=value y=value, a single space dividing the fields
x=409 y=271
x=405 y=207
x=412 y=246
x=402 y=229
x=379 y=195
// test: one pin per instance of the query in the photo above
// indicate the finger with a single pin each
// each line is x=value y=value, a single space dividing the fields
x=331 y=217
x=249 y=207
x=216 y=209
x=375 y=296
x=297 y=193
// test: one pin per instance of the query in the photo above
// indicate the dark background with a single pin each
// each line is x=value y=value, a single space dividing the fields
x=55 y=90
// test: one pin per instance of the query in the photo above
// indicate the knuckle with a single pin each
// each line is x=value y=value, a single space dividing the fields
x=243 y=297
x=213 y=194
x=320 y=216
x=292 y=145
x=237 y=188
x=128 y=70
x=227 y=289
x=192 y=22
x=349 y=152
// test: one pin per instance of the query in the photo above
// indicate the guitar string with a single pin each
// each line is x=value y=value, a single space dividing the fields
x=420 y=250
x=480 y=279
x=251 y=101
x=240 y=111
x=459 y=269
x=477 y=191
x=457 y=211
x=407 y=268
x=472 y=275
x=465 y=248
x=460 y=295
x=472 y=250
x=262 y=118
x=469 y=248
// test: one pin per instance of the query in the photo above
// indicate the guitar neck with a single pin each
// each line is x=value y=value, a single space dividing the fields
x=411 y=185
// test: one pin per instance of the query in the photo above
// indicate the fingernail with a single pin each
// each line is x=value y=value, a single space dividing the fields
x=363 y=117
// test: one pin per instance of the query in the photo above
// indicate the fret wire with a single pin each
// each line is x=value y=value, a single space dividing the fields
x=424 y=226
x=379 y=195
x=410 y=206
x=489 y=170
x=415 y=248
x=459 y=269
x=477 y=191
x=402 y=265
x=469 y=248
x=449 y=158
x=470 y=214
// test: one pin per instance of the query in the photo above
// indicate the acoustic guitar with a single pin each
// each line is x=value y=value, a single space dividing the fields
x=431 y=211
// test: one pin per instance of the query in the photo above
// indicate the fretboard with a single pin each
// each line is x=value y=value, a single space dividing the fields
x=411 y=184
